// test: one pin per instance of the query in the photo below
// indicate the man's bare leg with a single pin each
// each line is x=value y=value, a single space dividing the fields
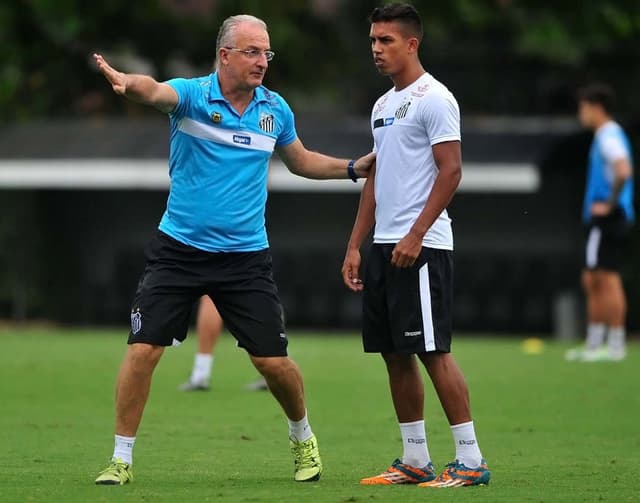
x=453 y=393
x=615 y=304
x=407 y=393
x=285 y=383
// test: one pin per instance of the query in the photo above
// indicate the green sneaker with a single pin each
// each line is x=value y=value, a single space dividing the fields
x=306 y=459
x=117 y=473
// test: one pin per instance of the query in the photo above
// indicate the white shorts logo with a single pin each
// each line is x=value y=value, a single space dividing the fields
x=136 y=322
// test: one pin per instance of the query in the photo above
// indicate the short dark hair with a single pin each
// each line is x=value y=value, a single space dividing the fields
x=599 y=94
x=403 y=13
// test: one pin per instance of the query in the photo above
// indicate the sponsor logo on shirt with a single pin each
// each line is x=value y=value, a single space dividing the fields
x=383 y=122
x=413 y=334
x=242 y=139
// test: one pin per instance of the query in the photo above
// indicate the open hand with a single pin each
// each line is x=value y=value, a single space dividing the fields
x=118 y=80
x=351 y=270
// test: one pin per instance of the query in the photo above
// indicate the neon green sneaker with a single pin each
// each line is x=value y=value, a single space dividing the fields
x=306 y=459
x=117 y=473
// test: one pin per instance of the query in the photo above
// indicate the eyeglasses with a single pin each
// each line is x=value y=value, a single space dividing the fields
x=253 y=53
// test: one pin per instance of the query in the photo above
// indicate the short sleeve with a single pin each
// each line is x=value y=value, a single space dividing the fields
x=182 y=87
x=441 y=118
x=613 y=149
x=288 y=132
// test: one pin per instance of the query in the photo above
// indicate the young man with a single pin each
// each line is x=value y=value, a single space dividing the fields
x=608 y=214
x=209 y=328
x=408 y=278
x=212 y=238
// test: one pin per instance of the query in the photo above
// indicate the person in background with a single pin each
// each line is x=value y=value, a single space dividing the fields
x=608 y=215
x=209 y=328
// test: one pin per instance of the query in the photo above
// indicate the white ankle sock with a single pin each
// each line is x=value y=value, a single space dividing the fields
x=616 y=339
x=202 y=367
x=595 y=335
x=124 y=448
x=414 y=443
x=300 y=430
x=467 y=449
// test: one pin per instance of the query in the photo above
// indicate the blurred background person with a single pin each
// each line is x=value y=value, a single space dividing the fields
x=608 y=214
x=209 y=328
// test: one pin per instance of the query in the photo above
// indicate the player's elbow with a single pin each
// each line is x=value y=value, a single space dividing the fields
x=453 y=172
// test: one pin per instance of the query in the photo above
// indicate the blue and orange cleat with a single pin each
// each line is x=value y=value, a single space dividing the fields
x=458 y=475
x=399 y=473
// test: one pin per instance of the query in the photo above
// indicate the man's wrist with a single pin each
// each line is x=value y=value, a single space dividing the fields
x=416 y=233
x=351 y=172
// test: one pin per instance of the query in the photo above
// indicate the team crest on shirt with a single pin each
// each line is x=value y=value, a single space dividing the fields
x=216 y=117
x=136 y=322
x=266 y=122
x=401 y=112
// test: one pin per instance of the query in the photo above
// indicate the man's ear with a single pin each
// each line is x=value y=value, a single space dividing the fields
x=413 y=44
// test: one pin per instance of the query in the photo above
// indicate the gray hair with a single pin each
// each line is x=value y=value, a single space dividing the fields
x=228 y=28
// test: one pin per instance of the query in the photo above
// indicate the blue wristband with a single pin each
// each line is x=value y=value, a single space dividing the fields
x=351 y=171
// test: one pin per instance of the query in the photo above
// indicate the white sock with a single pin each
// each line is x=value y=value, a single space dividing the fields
x=202 y=367
x=617 y=337
x=467 y=449
x=414 y=442
x=300 y=431
x=595 y=335
x=124 y=448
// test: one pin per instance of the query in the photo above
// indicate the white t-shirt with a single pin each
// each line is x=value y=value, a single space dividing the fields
x=611 y=145
x=406 y=124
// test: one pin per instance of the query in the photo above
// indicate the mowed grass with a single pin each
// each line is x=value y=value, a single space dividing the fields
x=551 y=430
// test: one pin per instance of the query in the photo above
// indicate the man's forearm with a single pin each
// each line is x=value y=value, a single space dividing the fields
x=141 y=88
x=322 y=167
x=365 y=218
x=443 y=190
x=615 y=191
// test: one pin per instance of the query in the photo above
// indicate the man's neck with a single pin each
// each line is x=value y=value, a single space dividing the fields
x=238 y=97
x=408 y=76
x=602 y=121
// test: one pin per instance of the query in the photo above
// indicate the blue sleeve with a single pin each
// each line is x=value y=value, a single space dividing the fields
x=288 y=133
x=182 y=87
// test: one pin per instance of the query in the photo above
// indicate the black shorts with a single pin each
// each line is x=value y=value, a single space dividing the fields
x=607 y=239
x=407 y=310
x=240 y=284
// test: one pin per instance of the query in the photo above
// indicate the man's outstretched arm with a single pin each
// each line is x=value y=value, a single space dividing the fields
x=140 y=88
x=309 y=164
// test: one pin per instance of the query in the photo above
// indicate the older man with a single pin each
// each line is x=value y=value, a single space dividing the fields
x=212 y=238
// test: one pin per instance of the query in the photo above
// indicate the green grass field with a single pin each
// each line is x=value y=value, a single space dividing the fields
x=551 y=431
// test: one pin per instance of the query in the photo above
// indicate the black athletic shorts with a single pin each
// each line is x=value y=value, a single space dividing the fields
x=607 y=239
x=407 y=310
x=240 y=284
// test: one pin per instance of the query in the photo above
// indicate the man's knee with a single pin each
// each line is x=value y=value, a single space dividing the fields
x=142 y=354
x=272 y=366
x=398 y=362
x=436 y=361
x=587 y=280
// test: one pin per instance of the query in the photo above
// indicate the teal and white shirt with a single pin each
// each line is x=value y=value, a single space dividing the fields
x=610 y=144
x=218 y=165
